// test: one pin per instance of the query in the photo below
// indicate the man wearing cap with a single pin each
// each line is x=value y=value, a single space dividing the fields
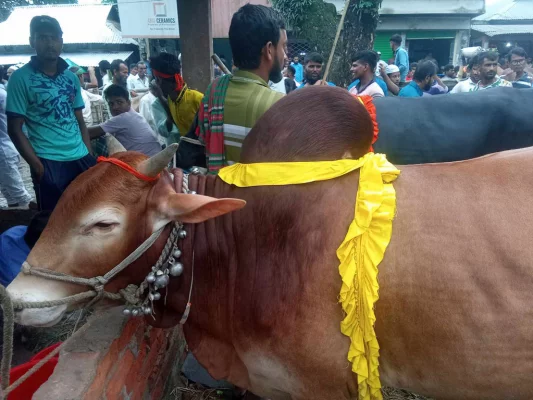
x=45 y=96
x=391 y=75
x=380 y=63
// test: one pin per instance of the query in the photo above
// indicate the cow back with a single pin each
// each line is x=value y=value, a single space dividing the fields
x=312 y=124
x=454 y=127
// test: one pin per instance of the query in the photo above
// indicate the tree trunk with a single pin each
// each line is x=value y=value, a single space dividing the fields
x=358 y=34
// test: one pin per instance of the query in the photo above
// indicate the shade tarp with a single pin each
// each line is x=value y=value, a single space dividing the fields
x=84 y=59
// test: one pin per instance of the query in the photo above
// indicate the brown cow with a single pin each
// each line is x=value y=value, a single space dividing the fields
x=455 y=317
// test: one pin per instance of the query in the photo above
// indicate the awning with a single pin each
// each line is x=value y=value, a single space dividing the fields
x=84 y=59
x=496 y=30
x=431 y=35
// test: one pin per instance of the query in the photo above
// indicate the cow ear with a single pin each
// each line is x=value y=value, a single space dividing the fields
x=195 y=208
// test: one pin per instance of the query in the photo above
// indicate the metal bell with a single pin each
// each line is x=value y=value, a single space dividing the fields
x=147 y=310
x=154 y=296
x=195 y=171
x=182 y=234
x=150 y=278
x=161 y=281
x=135 y=312
x=126 y=312
x=176 y=269
x=176 y=253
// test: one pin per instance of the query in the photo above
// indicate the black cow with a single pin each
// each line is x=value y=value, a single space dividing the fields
x=454 y=127
x=437 y=129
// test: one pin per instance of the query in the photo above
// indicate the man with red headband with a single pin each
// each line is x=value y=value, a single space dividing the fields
x=176 y=105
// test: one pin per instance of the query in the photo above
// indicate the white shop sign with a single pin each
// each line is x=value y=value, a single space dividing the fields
x=149 y=19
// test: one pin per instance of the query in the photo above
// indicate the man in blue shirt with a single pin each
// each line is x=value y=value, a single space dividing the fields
x=401 y=59
x=299 y=68
x=422 y=80
x=379 y=81
x=16 y=243
x=46 y=96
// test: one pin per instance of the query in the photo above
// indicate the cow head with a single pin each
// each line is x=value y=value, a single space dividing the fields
x=100 y=219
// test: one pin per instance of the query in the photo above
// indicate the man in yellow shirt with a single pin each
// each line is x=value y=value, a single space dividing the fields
x=180 y=103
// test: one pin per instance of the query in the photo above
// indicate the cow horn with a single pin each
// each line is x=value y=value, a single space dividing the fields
x=113 y=145
x=155 y=164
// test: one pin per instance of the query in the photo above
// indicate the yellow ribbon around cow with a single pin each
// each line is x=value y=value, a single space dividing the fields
x=359 y=254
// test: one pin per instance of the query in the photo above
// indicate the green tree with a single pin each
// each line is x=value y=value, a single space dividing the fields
x=358 y=34
x=316 y=21
x=6 y=6
x=313 y=20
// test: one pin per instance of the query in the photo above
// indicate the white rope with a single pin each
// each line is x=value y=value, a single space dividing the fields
x=189 y=304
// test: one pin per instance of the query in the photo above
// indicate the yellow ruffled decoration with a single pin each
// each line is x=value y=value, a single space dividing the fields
x=361 y=251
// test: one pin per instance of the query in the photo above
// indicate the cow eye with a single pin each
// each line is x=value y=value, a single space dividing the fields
x=105 y=226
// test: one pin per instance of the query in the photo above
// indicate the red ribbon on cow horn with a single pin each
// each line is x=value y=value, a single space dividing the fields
x=371 y=108
x=128 y=168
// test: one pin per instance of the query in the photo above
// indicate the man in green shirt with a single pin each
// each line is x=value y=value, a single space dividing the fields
x=233 y=103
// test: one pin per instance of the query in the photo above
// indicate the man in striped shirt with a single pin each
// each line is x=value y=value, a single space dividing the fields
x=233 y=104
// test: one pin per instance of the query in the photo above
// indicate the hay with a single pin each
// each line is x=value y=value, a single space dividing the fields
x=400 y=394
x=193 y=391
x=36 y=339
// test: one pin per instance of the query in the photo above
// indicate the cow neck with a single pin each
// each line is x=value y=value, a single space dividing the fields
x=206 y=246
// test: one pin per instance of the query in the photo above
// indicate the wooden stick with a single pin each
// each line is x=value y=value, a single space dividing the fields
x=221 y=65
x=332 y=54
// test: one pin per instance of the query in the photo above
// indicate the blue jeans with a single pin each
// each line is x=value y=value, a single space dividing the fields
x=56 y=177
x=11 y=184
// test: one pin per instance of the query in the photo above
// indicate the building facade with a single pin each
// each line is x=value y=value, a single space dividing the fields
x=505 y=25
x=430 y=28
x=91 y=33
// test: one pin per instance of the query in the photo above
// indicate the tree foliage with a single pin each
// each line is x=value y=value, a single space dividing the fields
x=313 y=20
x=294 y=11
x=316 y=21
x=358 y=34
x=6 y=6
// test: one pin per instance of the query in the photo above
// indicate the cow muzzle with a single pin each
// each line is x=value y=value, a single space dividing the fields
x=42 y=317
x=26 y=288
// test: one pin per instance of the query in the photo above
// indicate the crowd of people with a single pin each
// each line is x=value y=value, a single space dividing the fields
x=46 y=114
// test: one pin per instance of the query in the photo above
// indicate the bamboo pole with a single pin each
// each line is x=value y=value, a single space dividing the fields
x=221 y=65
x=332 y=54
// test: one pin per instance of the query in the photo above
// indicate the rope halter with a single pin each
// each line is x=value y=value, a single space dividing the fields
x=138 y=303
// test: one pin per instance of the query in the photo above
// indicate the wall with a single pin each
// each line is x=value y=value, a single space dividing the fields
x=422 y=22
x=223 y=11
x=115 y=358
